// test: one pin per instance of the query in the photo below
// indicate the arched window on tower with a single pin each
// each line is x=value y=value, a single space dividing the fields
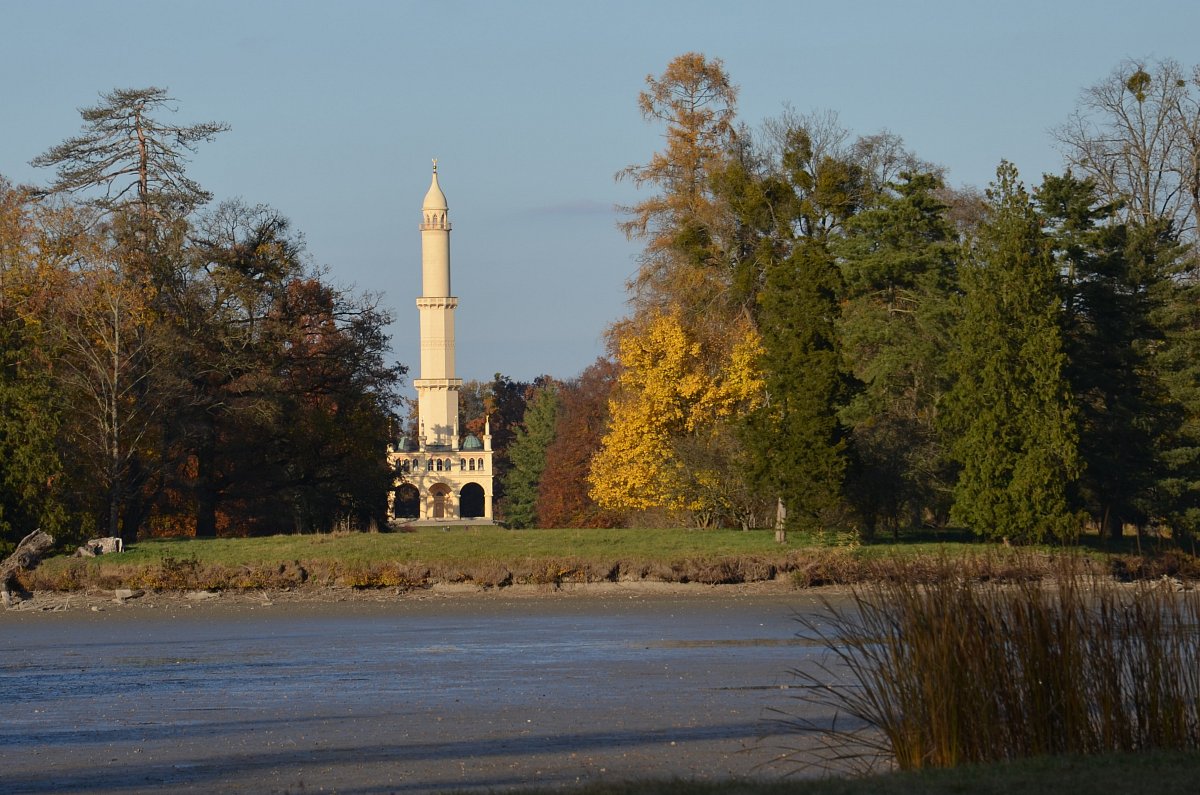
x=472 y=464
x=439 y=465
x=481 y=463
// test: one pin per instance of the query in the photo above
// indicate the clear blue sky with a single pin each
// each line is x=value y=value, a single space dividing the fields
x=530 y=108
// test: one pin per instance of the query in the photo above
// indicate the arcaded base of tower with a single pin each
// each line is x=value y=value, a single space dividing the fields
x=441 y=486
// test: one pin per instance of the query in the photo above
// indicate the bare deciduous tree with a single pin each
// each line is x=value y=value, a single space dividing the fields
x=1137 y=134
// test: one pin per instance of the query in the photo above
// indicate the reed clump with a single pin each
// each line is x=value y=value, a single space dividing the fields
x=946 y=671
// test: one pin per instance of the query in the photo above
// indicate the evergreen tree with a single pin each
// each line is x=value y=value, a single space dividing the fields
x=1110 y=288
x=134 y=157
x=898 y=260
x=504 y=403
x=33 y=491
x=31 y=488
x=796 y=442
x=527 y=455
x=1010 y=407
x=1174 y=361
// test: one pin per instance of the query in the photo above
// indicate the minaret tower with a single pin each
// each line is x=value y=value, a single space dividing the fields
x=442 y=478
x=437 y=388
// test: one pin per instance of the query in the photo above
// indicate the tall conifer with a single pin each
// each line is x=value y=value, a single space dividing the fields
x=898 y=259
x=1110 y=284
x=797 y=443
x=528 y=456
x=1175 y=363
x=1011 y=406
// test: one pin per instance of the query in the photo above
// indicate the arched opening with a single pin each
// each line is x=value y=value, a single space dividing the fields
x=470 y=501
x=407 y=503
x=440 y=494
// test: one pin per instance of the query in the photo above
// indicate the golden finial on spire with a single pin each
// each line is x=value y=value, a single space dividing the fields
x=435 y=165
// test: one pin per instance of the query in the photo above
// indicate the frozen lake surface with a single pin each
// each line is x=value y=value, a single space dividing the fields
x=411 y=695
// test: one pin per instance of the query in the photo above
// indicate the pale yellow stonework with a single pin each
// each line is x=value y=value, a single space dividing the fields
x=451 y=476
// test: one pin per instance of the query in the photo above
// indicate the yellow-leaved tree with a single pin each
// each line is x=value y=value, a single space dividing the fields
x=668 y=446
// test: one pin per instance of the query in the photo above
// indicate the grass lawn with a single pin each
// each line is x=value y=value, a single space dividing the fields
x=1159 y=773
x=470 y=544
x=496 y=556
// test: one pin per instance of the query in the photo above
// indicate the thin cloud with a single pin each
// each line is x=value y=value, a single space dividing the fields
x=577 y=207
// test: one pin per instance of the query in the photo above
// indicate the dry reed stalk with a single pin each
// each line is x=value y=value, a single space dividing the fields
x=947 y=671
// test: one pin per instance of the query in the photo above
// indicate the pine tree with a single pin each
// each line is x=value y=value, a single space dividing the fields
x=1011 y=408
x=134 y=157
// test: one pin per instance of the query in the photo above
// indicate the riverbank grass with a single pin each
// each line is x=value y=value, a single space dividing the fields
x=483 y=555
x=490 y=556
x=952 y=672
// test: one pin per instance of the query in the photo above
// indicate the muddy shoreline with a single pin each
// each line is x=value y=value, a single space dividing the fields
x=99 y=600
x=373 y=691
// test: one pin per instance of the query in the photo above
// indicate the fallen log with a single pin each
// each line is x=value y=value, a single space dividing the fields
x=100 y=546
x=26 y=557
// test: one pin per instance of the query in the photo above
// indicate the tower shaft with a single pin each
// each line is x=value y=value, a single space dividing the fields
x=437 y=388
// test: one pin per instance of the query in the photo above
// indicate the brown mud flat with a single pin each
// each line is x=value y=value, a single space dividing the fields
x=418 y=691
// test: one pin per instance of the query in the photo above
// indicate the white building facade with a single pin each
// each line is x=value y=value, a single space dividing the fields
x=440 y=476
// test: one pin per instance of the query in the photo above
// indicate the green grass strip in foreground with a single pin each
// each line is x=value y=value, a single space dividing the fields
x=1159 y=773
x=494 y=556
x=465 y=544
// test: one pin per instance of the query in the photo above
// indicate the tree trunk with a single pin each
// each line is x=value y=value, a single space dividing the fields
x=26 y=556
x=1112 y=526
x=206 y=492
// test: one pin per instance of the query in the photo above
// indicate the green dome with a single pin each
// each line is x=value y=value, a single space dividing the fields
x=472 y=442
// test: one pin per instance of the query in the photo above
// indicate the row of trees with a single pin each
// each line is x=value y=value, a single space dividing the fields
x=170 y=367
x=819 y=319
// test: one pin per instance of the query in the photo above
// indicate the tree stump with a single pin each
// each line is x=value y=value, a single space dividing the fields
x=26 y=557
